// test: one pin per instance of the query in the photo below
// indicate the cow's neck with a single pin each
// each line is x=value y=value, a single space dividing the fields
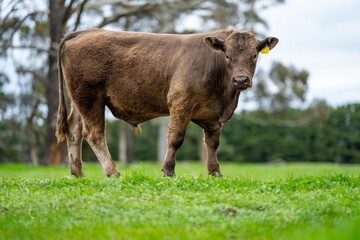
x=217 y=73
x=230 y=103
x=221 y=87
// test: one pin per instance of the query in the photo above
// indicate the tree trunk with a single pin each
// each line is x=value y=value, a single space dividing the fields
x=33 y=144
x=161 y=143
x=126 y=151
x=57 y=29
x=202 y=150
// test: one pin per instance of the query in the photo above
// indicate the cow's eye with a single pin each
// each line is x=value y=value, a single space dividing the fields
x=254 y=57
x=227 y=57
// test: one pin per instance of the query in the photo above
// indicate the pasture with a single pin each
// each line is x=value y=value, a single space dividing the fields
x=292 y=201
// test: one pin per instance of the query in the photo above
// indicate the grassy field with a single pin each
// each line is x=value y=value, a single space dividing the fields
x=293 y=201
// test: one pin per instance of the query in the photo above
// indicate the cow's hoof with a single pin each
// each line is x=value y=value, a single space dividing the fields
x=115 y=174
x=216 y=174
x=77 y=174
x=168 y=173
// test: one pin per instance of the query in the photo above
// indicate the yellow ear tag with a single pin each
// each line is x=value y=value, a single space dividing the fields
x=265 y=50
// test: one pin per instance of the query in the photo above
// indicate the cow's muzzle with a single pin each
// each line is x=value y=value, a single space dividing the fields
x=242 y=82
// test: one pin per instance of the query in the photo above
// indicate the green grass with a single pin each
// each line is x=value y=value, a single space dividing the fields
x=294 y=201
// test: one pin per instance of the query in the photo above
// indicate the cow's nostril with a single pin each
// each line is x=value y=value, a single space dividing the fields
x=241 y=80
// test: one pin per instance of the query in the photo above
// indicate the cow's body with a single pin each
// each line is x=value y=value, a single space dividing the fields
x=140 y=76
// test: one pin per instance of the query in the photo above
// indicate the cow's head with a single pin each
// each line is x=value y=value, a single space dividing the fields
x=241 y=50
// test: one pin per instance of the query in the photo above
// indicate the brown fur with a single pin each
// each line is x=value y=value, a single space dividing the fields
x=140 y=76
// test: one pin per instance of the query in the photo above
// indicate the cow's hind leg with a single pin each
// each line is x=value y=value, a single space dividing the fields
x=95 y=135
x=212 y=141
x=175 y=138
x=92 y=110
x=74 y=143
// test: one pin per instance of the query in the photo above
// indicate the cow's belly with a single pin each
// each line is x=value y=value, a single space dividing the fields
x=136 y=109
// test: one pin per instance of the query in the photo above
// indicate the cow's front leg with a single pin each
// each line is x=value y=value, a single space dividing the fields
x=175 y=138
x=212 y=141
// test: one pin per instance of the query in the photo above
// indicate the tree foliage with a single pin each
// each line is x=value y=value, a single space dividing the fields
x=330 y=135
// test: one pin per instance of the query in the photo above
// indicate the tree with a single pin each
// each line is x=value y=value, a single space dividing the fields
x=161 y=144
x=126 y=152
x=344 y=125
x=280 y=89
x=27 y=26
x=8 y=139
x=6 y=99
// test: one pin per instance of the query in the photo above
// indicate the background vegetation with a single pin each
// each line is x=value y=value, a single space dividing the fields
x=258 y=136
x=282 y=125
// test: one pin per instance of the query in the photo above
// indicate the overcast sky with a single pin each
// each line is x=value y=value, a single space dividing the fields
x=322 y=37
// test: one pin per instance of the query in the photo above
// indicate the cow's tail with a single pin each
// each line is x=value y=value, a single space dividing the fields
x=61 y=123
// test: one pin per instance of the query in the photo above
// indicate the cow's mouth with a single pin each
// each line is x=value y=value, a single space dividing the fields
x=242 y=88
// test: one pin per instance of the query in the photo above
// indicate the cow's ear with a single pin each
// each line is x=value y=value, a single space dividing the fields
x=215 y=43
x=269 y=42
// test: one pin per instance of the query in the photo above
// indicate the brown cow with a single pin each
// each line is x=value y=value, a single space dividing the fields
x=140 y=76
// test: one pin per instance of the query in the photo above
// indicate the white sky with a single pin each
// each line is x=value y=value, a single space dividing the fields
x=322 y=37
